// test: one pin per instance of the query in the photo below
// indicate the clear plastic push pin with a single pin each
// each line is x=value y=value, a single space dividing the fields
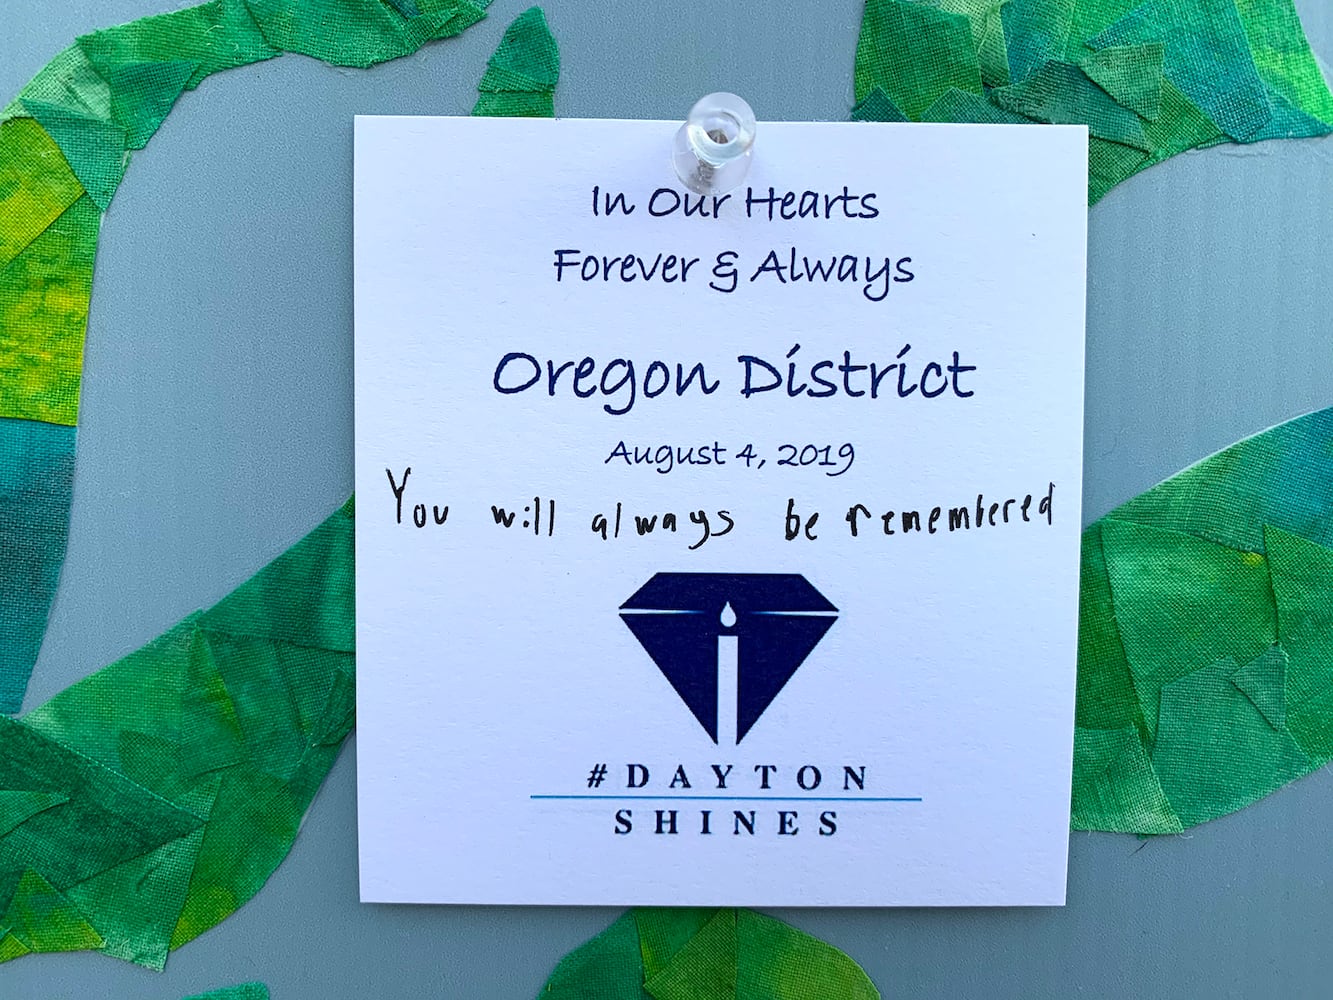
x=712 y=149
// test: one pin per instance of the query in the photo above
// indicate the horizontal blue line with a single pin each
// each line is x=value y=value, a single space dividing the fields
x=741 y=798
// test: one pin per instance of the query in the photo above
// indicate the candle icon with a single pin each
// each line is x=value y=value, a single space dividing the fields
x=728 y=642
x=728 y=674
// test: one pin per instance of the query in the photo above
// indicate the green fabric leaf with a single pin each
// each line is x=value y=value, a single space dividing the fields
x=664 y=932
x=407 y=8
x=1109 y=163
x=914 y=54
x=11 y=947
x=1205 y=664
x=68 y=81
x=703 y=968
x=1281 y=478
x=107 y=819
x=514 y=106
x=148 y=892
x=213 y=36
x=691 y=954
x=1283 y=57
x=1106 y=697
x=187 y=766
x=1302 y=581
x=776 y=960
x=527 y=57
x=1180 y=125
x=275 y=602
x=107 y=94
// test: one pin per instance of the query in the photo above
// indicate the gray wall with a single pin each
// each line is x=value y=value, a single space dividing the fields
x=217 y=429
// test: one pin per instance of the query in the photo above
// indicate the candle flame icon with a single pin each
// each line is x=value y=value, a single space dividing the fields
x=752 y=630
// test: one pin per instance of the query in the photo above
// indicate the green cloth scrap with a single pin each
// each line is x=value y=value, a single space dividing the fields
x=97 y=120
x=694 y=954
x=211 y=37
x=1151 y=80
x=95 y=150
x=359 y=33
x=876 y=107
x=1115 y=786
x=914 y=54
x=1037 y=32
x=1205 y=657
x=18 y=807
x=1302 y=581
x=1215 y=752
x=987 y=35
x=1207 y=55
x=44 y=297
x=157 y=795
x=1131 y=75
x=40 y=919
x=1061 y=94
x=962 y=106
x=246 y=991
x=1288 y=67
x=1183 y=602
x=36 y=484
x=521 y=76
x=36 y=187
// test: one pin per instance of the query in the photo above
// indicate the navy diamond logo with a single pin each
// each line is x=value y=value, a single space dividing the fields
x=777 y=619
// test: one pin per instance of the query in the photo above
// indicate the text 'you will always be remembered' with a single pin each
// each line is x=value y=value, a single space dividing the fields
x=540 y=516
x=875 y=275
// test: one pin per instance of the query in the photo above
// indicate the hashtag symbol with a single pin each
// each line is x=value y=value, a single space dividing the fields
x=597 y=776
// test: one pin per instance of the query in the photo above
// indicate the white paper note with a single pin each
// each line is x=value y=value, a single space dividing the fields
x=737 y=562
